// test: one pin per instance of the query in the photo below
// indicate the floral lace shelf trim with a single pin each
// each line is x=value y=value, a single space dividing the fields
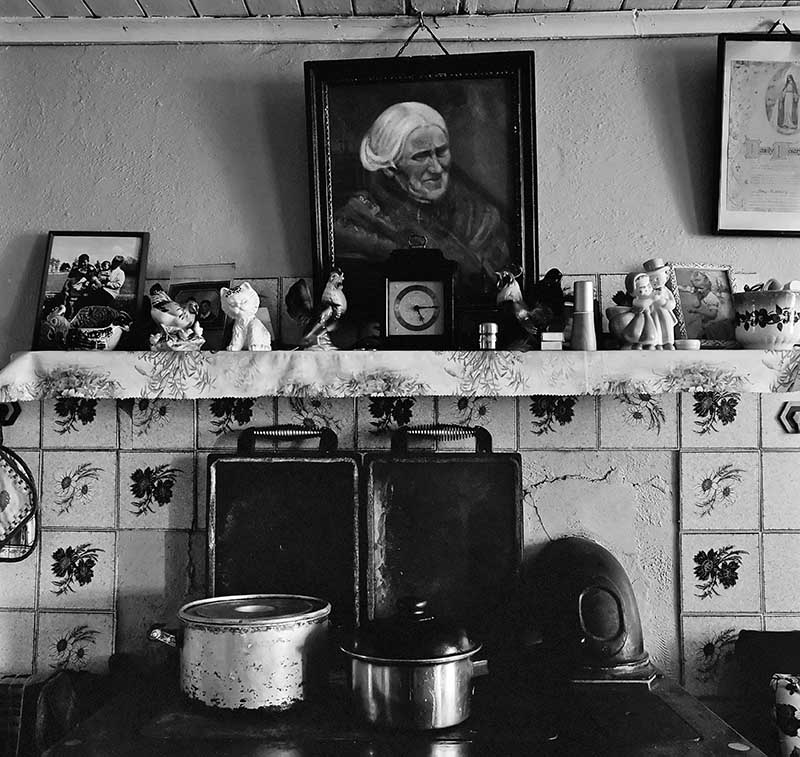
x=199 y=375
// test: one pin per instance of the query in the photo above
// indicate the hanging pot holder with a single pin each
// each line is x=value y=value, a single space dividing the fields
x=18 y=501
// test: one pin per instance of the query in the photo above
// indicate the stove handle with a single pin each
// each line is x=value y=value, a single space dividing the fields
x=441 y=431
x=248 y=440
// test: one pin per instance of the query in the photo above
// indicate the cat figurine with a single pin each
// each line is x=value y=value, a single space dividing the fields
x=241 y=304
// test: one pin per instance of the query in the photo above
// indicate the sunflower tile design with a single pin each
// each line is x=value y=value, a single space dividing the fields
x=77 y=570
x=773 y=435
x=156 y=424
x=719 y=419
x=720 y=573
x=156 y=490
x=18 y=585
x=315 y=413
x=27 y=429
x=552 y=422
x=16 y=651
x=78 y=489
x=719 y=491
x=74 y=641
x=498 y=415
x=781 y=572
x=639 y=420
x=74 y=422
x=379 y=416
x=781 y=482
x=220 y=421
x=707 y=652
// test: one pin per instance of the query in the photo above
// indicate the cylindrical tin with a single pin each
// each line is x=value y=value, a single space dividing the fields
x=487 y=336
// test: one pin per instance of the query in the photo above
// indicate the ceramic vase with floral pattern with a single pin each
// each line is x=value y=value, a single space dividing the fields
x=787 y=708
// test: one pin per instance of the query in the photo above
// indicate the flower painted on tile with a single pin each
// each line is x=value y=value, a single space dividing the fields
x=227 y=411
x=73 y=564
x=714 y=408
x=642 y=409
x=713 y=653
x=547 y=410
x=74 y=410
x=315 y=412
x=717 y=488
x=72 y=649
x=717 y=568
x=390 y=412
x=75 y=486
x=472 y=410
x=151 y=487
x=149 y=414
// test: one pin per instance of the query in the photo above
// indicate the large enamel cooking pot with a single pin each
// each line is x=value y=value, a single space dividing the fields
x=256 y=651
x=412 y=670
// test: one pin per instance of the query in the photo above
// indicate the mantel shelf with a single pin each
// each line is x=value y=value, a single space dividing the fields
x=203 y=375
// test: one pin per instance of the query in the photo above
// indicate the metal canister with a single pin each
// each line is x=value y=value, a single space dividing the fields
x=487 y=336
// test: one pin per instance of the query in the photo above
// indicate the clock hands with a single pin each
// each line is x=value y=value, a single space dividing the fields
x=418 y=308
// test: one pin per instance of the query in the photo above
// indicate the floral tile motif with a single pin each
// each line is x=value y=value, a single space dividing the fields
x=721 y=418
x=16 y=651
x=220 y=421
x=781 y=483
x=498 y=415
x=549 y=421
x=72 y=422
x=772 y=432
x=26 y=431
x=74 y=641
x=78 y=490
x=18 y=585
x=268 y=312
x=319 y=412
x=719 y=491
x=720 y=573
x=708 y=645
x=378 y=417
x=156 y=424
x=77 y=570
x=639 y=419
x=156 y=489
x=291 y=331
x=781 y=572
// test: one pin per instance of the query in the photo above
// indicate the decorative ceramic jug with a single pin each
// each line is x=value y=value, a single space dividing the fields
x=787 y=707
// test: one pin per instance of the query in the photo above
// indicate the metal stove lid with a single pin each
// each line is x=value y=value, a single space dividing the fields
x=255 y=609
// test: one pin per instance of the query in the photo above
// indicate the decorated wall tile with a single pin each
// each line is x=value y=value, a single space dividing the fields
x=498 y=415
x=156 y=490
x=379 y=416
x=74 y=641
x=16 y=651
x=708 y=647
x=720 y=573
x=719 y=419
x=220 y=421
x=773 y=435
x=156 y=424
x=79 y=489
x=639 y=420
x=781 y=484
x=548 y=421
x=318 y=412
x=782 y=622
x=781 y=572
x=73 y=422
x=77 y=570
x=18 y=584
x=26 y=431
x=625 y=501
x=719 y=491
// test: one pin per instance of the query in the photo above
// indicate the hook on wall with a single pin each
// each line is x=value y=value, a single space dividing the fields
x=421 y=24
x=778 y=23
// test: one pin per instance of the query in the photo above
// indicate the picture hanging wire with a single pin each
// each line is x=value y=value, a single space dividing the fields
x=780 y=22
x=421 y=25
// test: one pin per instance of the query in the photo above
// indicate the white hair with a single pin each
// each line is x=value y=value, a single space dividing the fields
x=383 y=143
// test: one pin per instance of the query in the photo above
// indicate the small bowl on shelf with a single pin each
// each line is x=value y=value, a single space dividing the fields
x=767 y=319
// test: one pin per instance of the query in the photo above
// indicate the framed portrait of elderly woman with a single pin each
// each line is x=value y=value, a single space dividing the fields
x=438 y=148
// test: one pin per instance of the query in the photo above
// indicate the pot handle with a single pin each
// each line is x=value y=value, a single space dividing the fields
x=480 y=668
x=446 y=431
x=248 y=439
x=166 y=636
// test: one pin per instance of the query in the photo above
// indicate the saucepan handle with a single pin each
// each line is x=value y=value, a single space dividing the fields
x=249 y=438
x=441 y=431
x=168 y=636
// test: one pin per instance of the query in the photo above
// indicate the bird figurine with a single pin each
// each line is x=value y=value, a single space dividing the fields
x=318 y=322
x=179 y=328
x=546 y=310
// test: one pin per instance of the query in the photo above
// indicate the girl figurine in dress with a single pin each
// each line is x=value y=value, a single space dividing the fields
x=643 y=331
x=664 y=303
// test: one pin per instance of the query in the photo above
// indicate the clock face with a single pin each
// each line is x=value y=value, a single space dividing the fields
x=415 y=307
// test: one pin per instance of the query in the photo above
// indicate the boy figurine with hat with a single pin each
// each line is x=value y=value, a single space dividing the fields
x=664 y=301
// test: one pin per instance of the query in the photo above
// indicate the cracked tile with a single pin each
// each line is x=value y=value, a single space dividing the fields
x=74 y=641
x=781 y=572
x=719 y=491
x=16 y=651
x=220 y=421
x=719 y=419
x=639 y=421
x=781 y=482
x=74 y=422
x=156 y=424
x=318 y=412
x=552 y=422
x=498 y=415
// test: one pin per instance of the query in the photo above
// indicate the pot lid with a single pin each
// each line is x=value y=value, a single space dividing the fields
x=255 y=609
x=413 y=634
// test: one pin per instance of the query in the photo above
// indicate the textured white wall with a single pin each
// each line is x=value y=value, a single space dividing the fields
x=205 y=147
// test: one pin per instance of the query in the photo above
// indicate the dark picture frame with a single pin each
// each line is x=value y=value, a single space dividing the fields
x=759 y=117
x=87 y=268
x=485 y=215
x=212 y=319
x=704 y=303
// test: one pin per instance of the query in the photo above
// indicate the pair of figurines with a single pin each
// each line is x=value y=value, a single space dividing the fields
x=648 y=323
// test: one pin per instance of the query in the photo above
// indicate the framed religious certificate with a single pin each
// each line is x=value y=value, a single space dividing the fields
x=759 y=161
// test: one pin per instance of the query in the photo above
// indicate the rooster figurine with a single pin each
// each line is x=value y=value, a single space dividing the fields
x=318 y=322
x=179 y=328
x=545 y=311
